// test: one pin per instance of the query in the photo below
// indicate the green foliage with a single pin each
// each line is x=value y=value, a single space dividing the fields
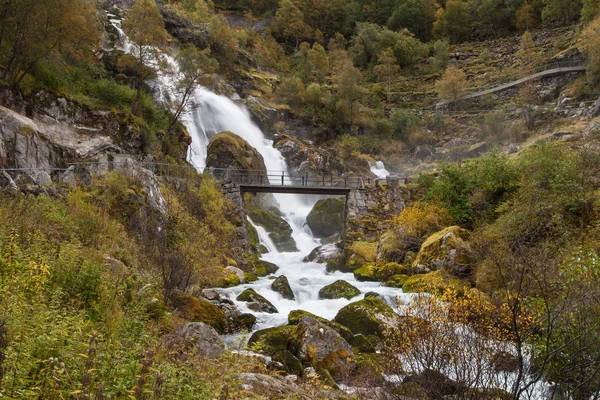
x=403 y=121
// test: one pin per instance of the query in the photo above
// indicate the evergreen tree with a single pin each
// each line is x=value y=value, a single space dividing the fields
x=387 y=69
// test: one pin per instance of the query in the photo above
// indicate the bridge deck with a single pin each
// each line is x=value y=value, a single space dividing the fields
x=294 y=189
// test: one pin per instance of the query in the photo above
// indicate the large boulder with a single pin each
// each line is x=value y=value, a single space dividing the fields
x=295 y=316
x=325 y=253
x=369 y=317
x=202 y=338
x=226 y=149
x=326 y=217
x=201 y=310
x=317 y=344
x=256 y=302
x=339 y=289
x=282 y=286
x=279 y=230
x=271 y=340
x=447 y=249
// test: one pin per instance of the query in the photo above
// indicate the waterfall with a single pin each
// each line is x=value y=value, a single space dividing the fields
x=378 y=169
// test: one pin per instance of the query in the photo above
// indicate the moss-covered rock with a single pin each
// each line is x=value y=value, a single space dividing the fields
x=228 y=149
x=200 y=310
x=243 y=322
x=372 y=294
x=434 y=282
x=256 y=302
x=279 y=230
x=361 y=344
x=317 y=344
x=368 y=316
x=379 y=273
x=337 y=290
x=271 y=340
x=295 y=316
x=447 y=249
x=290 y=362
x=394 y=245
x=326 y=217
x=253 y=238
x=358 y=254
x=282 y=286
x=396 y=281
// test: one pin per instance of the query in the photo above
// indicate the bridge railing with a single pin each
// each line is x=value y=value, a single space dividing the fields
x=281 y=178
x=239 y=176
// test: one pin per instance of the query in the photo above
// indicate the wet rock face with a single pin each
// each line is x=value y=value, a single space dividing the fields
x=226 y=149
x=327 y=217
x=279 y=230
x=183 y=30
x=302 y=155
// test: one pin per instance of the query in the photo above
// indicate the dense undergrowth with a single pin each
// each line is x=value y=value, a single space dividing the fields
x=83 y=293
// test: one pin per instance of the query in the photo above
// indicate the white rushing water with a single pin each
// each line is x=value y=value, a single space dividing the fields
x=378 y=169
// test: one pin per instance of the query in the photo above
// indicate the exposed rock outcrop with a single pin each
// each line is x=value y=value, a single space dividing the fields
x=226 y=149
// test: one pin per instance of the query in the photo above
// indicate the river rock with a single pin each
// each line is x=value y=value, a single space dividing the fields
x=369 y=317
x=325 y=253
x=201 y=310
x=317 y=344
x=326 y=217
x=289 y=361
x=282 y=286
x=271 y=340
x=447 y=249
x=295 y=316
x=203 y=338
x=256 y=302
x=339 y=289
x=238 y=273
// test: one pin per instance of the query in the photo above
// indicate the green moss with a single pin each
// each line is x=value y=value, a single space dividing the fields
x=200 y=310
x=295 y=316
x=230 y=280
x=339 y=289
x=367 y=272
x=290 y=362
x=433 y=282
x=228 y=149
x=361 y=344
x=250 y=277
x=396 y=281
x=271 y=340
x=437 y=246
x=326 y=217
x=368 y=316
x=365 y=250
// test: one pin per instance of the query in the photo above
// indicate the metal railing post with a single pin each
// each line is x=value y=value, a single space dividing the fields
x=282 y=178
